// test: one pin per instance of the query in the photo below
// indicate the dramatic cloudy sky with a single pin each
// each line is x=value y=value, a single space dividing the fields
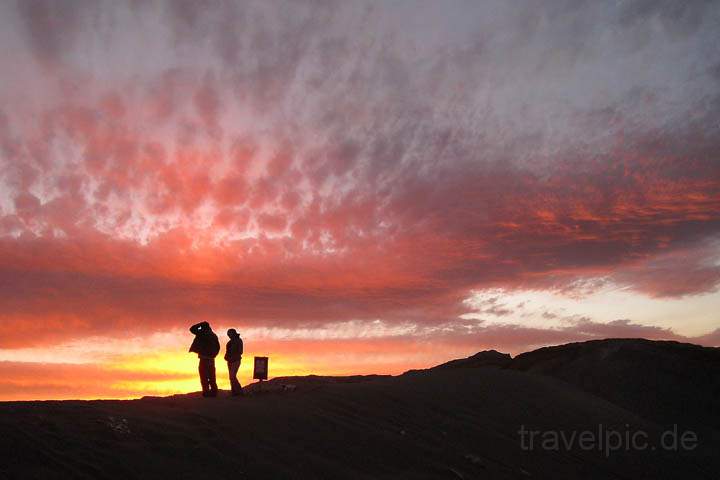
x=358 y=187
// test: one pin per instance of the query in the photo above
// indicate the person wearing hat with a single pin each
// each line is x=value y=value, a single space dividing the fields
x=233 y=356
x=207 y=346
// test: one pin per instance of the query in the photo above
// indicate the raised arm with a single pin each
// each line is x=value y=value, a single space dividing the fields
x=195 y=329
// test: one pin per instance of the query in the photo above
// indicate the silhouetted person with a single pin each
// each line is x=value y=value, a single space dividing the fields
x=233 y=356
x=207 y=346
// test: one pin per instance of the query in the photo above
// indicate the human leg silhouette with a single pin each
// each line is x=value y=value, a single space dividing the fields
x=233 y=368
x=206 y=369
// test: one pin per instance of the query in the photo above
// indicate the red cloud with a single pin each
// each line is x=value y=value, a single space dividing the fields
x=295 y=183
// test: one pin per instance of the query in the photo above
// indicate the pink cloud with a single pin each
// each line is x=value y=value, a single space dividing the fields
x=302 y=171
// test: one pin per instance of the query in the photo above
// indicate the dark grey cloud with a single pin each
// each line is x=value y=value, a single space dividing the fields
x=413 y=149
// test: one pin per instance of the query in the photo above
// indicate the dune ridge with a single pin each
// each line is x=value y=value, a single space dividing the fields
x=459 y=420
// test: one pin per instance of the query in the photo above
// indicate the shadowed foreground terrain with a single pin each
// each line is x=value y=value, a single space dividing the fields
x=460 y=421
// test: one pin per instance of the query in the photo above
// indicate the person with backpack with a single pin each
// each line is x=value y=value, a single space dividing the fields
x=233 y=356
x=207 y=346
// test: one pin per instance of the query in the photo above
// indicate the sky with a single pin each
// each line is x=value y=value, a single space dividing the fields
x=356 y=187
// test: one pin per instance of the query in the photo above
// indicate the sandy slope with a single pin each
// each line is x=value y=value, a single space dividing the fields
x=455 y=423
x=667 y=382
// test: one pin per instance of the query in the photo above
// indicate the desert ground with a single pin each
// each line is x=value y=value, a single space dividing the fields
x=460 y=420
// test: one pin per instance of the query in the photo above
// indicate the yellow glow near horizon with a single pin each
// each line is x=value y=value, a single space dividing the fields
x=184 y=364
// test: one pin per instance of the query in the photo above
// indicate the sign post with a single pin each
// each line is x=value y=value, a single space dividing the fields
x=260 y=370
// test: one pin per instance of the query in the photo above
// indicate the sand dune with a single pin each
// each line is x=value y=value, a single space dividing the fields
x=454 y=423
x=667 y=382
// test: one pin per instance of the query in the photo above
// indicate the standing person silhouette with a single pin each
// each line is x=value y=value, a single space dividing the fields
x=207 y=346
x=233 y=356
